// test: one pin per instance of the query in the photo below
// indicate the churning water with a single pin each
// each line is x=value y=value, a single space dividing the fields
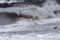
x=16 y=18
x=50 y=9
x=31 y=21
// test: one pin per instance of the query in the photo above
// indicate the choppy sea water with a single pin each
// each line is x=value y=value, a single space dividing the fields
x=31 y=22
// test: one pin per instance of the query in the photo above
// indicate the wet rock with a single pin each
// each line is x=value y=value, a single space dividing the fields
x=35 y=2
x=25 y=16
x=7 y=18
x=58 y=1
x=11 y=15
x=55 y=12
x=4 y=5
x=55 y=27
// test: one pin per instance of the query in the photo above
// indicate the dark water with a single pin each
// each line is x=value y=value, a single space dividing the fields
x=6 y=18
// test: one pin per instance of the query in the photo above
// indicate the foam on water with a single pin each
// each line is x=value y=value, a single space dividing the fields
x=26 y=26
